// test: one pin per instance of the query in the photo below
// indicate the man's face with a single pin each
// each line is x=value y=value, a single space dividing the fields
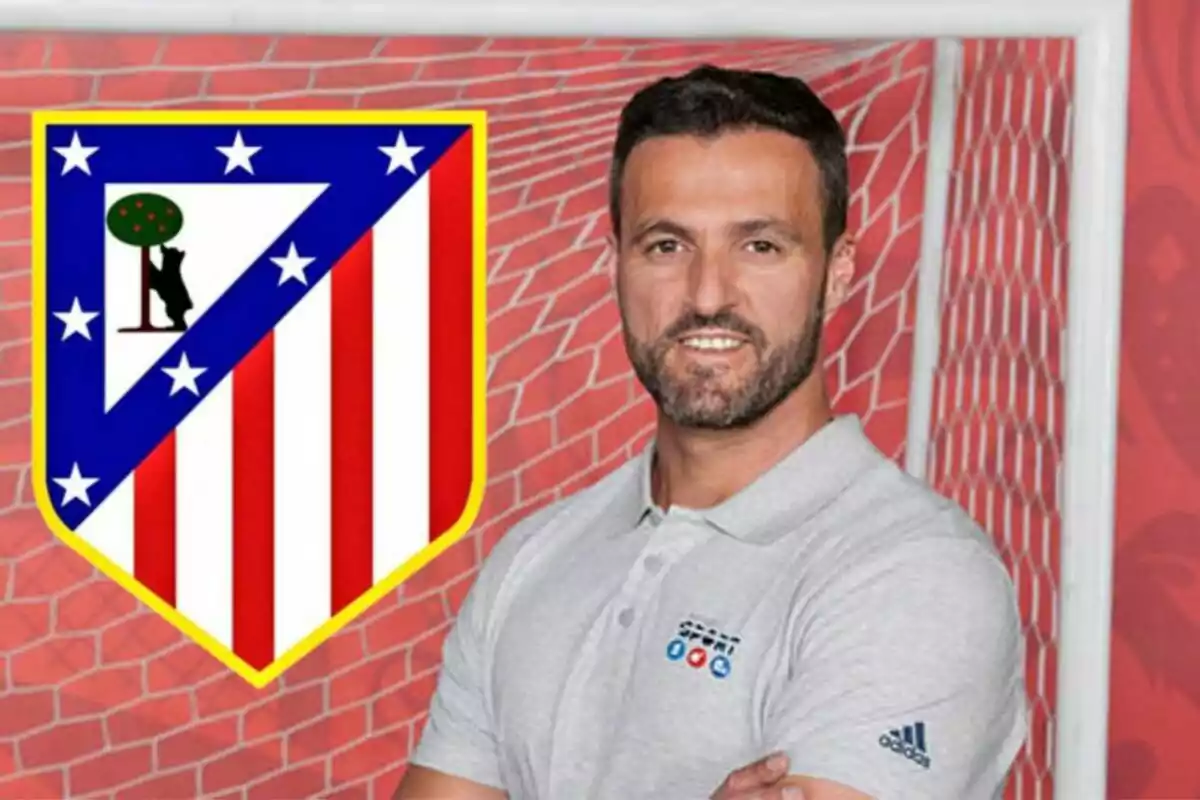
x=721 y=273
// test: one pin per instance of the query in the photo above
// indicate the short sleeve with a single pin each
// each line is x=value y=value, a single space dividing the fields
x=907 y=677
x=459 y=738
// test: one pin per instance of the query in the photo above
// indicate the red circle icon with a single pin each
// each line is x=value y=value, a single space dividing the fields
x=697 y=657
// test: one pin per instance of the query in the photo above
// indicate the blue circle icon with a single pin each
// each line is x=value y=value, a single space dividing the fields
x=676 y=649
x=720 y=667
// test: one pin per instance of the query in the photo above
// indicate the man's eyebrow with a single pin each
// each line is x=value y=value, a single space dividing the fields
x=759 y=225
x=660 y=226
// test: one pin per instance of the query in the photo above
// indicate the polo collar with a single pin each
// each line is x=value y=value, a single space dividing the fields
x=785 y=496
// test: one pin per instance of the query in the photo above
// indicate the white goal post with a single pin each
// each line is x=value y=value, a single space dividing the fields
x=1099 y=30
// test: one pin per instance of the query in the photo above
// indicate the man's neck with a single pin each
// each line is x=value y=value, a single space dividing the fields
x=701 y=469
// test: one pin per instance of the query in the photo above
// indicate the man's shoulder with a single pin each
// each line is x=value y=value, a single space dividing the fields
x=554 y=521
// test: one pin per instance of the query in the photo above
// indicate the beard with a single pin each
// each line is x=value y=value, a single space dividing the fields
x=706 y=398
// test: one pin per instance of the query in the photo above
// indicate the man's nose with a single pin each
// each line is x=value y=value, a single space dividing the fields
x=710 y=286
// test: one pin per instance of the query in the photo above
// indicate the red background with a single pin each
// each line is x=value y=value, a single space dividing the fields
x=100 y=698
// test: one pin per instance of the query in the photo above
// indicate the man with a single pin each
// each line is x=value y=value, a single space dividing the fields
x=762 y=580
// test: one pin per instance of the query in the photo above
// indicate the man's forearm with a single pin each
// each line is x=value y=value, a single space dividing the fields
x=421 y=783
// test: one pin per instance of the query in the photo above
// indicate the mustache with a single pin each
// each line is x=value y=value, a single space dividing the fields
x=694 y=321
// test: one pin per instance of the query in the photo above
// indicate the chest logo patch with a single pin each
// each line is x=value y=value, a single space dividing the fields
x=699 y=646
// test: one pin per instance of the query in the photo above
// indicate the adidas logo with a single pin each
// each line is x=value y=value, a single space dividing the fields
x=909 y=742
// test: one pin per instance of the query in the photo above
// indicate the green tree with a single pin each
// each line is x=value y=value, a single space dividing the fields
x=145 y=220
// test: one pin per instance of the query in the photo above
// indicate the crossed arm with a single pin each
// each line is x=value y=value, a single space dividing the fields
x=956 y=664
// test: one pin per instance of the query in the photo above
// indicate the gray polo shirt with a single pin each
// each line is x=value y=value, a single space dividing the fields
x=836 y=609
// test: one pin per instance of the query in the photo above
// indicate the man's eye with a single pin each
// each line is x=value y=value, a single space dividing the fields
x=665 y=246
x=764 y=247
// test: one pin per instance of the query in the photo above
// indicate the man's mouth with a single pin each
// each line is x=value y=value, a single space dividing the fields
x=712 y=342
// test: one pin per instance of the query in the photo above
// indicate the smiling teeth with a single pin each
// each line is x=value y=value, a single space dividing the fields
x=712 y=343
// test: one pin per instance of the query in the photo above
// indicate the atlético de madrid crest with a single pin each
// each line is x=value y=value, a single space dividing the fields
x=258 y=359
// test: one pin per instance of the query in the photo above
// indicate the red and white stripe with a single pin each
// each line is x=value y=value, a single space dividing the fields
x=304 y=477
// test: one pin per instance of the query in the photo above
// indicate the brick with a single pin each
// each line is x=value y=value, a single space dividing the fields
x=47 y=783
x=521 y=360
x=198 y=743
x=556 y=385
x=327 y=735
x=214 y=50
x=359 y=790
x=510 y=228
x=548 y=246
x=14 y=161
x=90 y=51
x=501 y=292
x=367 y=678
x=450 y=563
x=410 y=96
x=593 y=475
x=309 y=49
x=227 y=693
x=15 y=293
x=584 y=413
x=426 y=653
x=511 y=449
x=51 y=569
x=64 y=742
x=136 y=638
x=404 y=624
x=184 y=665
x=562 y=463
x=625 y=428
x=53 y=661
x=471 y=67
x=506 y=88
x=23 y=623
x=23 y=51
x=501 y=405
x=424 y=46
x=242 y=766
x=8 y=759
x=179 y=785
x=338 y=652
x=595 y=326
x=512 y=324
x=24 y=711
x=301 y=782
x=314 y=102
x=14 y=443
x=385 y=785
x=283 y=712
x=44 y=91
x=147 y=86
x=587 y=202
x=572 y=302
x=370 y=756
x=110 y=769
x=403 y=703
x=614 y=361
x=535 y=44
x=574 y=60
x=255 y=81
x=152 y=717
x=456 y=593
x=100 y=690
x=363 y=76
x=91 y=605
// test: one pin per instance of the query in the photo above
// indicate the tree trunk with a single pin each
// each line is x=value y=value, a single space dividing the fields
x=146 y=267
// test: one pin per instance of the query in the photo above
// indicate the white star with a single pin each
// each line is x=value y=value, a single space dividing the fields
x=401 y=154
x=76 y=321
x=292 y=266
x=75 y=486
x=239 y=155
x=76 y=155
x=184 y=376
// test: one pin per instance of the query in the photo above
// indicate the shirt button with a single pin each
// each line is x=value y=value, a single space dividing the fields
x=625 y=618
x=653 y=564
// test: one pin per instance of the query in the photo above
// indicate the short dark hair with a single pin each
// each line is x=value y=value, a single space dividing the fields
x=710 y=100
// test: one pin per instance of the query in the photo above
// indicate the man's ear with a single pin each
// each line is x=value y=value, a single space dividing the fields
x=841 y=272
